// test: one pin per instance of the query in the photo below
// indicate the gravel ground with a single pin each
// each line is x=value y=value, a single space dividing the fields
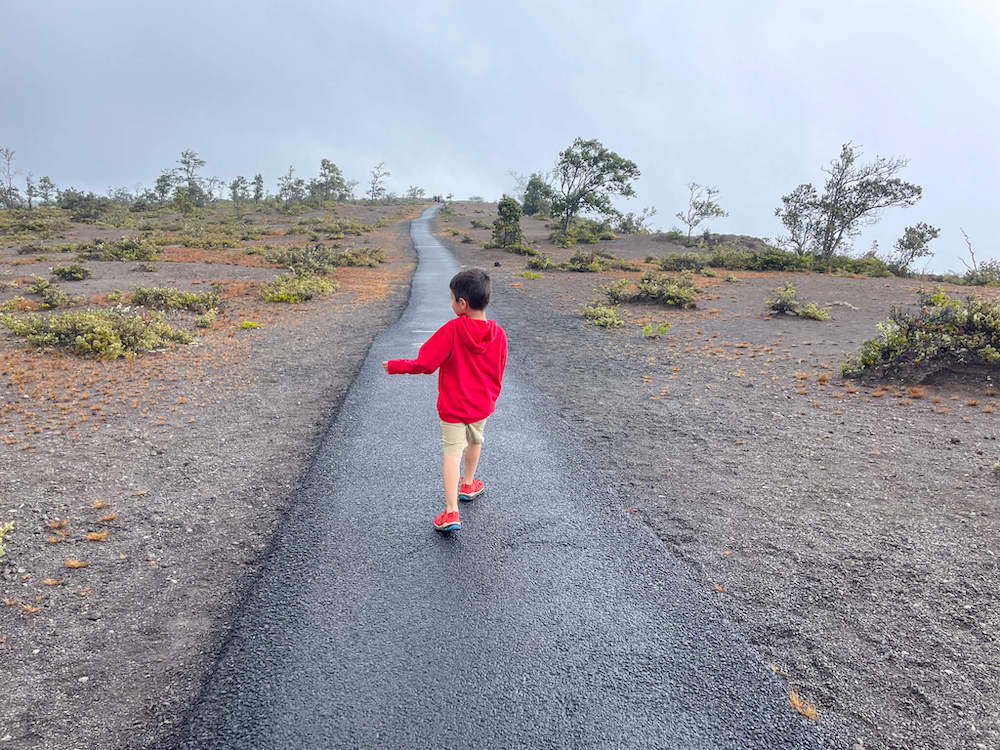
x=850 y=530
x=187 y=460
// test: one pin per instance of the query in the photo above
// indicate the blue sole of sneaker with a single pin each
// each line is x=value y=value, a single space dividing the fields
x=449 y=527
x=473 y=496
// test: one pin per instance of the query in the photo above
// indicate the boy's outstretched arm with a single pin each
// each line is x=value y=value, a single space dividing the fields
x=430 y=357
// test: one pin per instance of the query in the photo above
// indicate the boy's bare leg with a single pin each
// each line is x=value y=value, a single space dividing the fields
x=451 y=463
x=472 y=451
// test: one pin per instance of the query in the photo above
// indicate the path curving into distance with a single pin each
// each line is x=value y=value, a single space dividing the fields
x=551 y=620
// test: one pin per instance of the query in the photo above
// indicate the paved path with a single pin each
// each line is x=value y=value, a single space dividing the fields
x=552 y=620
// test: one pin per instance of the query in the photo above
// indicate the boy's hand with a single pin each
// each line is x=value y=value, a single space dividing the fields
x=385 y=366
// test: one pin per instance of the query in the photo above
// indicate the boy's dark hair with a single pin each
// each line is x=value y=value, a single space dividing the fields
x=472 y=285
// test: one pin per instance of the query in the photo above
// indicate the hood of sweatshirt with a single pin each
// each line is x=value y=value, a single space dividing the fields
x=476 y=335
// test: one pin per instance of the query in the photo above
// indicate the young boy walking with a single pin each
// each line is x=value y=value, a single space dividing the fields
x=470 y=354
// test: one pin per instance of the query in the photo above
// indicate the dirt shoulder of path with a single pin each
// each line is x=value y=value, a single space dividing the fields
x=849 y=529
x=144 y=492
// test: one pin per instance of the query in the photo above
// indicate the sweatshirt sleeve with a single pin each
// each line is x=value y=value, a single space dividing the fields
x=430 y=357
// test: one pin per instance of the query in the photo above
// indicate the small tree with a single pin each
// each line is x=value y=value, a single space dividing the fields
x=10 y=194
x=507 y=228
x=854 y=194
x=239 y=190
x=376 y=188
x=538 y=195
x=414 y=193
x=914 y=243
x=164 y=185
x=589 y=176
x=330 y=185
x=30 y=190
x=291 y=189
x=46 y=190
x=632 y=223
x=258 y=188
x=701 y=206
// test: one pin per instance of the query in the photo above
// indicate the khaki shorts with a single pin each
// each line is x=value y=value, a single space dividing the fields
x=456 y=435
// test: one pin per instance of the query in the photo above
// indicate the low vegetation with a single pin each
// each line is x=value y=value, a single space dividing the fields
x=126 y=249
x=582 y=232
x=315 y=260
x=168 y=298
x=785 y=302
x=297 y=288
x=602 y=315
x=942 y=333
x=733 y=258
x=658 y=288
x=595 y=261
x=73 y=272
x=52 y=296
x=106 y=333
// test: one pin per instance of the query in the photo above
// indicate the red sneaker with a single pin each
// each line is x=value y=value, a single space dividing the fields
x=447 y=521
x=472 y=490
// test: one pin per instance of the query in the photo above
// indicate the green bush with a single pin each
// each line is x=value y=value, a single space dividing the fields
x=52 y=296
x=315 y=260
x=943 y=333
x=206 y=319
x=584 y=232
x=126 y=249
x=602 y=315
x=42 y=223
x=297 y=288
x=683 y=262
x=5 y=529
x=531 y=274
x=33 y=248
x=786 y=303
x=657 y=288
x=649 y=332
x=986 y=273
x=595 y=261
x=169 y=298
x=539 y=262
x=73 y=272
x=107 y=333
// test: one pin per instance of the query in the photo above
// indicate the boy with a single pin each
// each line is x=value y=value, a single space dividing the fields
x=470 y=353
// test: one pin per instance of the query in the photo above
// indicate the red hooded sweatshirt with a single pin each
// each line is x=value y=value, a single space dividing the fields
x=472 y=356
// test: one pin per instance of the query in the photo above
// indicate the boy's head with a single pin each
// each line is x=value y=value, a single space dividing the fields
x=472 y=285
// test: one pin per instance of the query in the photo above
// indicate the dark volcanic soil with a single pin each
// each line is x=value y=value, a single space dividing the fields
x=186 y=460
x=850 y=529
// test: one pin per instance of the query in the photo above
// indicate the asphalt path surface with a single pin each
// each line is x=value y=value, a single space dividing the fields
x=551 y=620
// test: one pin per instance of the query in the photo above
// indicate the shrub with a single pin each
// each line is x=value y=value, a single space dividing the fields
x=173 y=299
x=125 y=249
x=32 y=248
x=206 y=319
x=943 y=333
x=507 y=228
x=107 y=333
x=683 y=262
x=649 y=332
x=52 y=296
x=249 y=325
x=5 y=529
x=732 y=279
x=73 y=272
x=595 y=261
x=531 y=274
x=986 y=273
x=539 y=262
x=584 y=232
x=315 y=260
x=297 y=288
x=602 y=315
x=655 y=287
x=785 y=302
x=31 y=225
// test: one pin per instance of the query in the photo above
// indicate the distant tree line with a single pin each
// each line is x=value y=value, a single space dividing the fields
x=185 y=188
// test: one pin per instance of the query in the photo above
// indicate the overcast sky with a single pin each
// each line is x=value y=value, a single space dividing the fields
x=751 y=97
